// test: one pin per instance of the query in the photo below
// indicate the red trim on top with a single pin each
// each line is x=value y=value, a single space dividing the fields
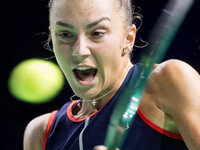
x=71 y=116
x=51 y=119
x=74 y=119
x=157 y=128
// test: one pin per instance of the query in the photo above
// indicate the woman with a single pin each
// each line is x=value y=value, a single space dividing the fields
x=92 y=40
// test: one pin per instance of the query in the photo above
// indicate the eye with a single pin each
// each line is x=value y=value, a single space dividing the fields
x=98 y=33
x=65 y=36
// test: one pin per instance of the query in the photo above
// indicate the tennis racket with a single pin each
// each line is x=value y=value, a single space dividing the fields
x=129 y=99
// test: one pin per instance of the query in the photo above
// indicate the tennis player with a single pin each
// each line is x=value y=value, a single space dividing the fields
x=92 y=41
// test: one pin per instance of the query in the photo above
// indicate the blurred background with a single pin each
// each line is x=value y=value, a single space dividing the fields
x=24 y=30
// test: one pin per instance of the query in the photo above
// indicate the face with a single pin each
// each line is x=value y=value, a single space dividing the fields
x=88 y=39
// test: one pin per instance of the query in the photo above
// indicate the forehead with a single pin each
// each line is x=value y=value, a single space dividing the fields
x=86 y=10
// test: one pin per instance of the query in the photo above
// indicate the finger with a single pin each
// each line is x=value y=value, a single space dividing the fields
x=101 y=147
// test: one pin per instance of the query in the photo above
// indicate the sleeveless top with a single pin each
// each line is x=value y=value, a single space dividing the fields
x=65 y=132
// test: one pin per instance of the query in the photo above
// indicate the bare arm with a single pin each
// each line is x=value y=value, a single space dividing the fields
x=34 y=133
x=176 y=88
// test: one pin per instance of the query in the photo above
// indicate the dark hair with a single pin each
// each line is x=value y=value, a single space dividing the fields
x=127 y=10
x=126 y=7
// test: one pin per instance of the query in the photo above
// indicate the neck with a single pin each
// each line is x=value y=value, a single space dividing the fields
x=105 y=97
x=86 y=107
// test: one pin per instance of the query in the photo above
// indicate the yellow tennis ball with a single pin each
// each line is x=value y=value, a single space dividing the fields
x=35 y=81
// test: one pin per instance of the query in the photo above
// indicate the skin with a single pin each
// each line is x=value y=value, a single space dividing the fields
x=173 y=105
x=91 y=46
x=178 y=99
x=34 y=133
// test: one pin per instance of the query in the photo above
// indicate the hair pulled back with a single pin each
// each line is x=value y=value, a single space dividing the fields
x=127 y=9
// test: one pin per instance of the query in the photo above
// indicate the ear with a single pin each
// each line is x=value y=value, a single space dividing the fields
x=130 y=38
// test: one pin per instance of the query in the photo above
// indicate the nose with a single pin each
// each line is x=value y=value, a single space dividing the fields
x=81 y=48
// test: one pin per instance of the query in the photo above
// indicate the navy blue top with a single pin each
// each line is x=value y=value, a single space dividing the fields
x=65 y=130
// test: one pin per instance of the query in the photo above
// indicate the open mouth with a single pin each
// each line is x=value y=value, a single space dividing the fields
x=85 y=73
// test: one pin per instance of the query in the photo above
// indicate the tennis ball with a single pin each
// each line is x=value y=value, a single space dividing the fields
x=35 y=81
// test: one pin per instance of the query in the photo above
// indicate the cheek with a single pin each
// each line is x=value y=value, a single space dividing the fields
x=110 y=50
x=108 y=57
x=62 y=54
x=114 y=43
x=108 y=53
x=61 y=50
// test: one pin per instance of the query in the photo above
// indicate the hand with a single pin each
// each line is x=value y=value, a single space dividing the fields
x=102 y=147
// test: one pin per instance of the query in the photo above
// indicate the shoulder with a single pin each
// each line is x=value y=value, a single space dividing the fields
x=173 y=74
x=172 y=88
x=34 y=132
x=172 y=65
x=175 y=80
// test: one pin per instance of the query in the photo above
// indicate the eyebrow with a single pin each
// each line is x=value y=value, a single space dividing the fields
x=97 y=22
x=87 y=27
x=64 y=24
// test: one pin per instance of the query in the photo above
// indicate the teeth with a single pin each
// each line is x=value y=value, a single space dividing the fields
x=83 y=68
x=90 y=79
